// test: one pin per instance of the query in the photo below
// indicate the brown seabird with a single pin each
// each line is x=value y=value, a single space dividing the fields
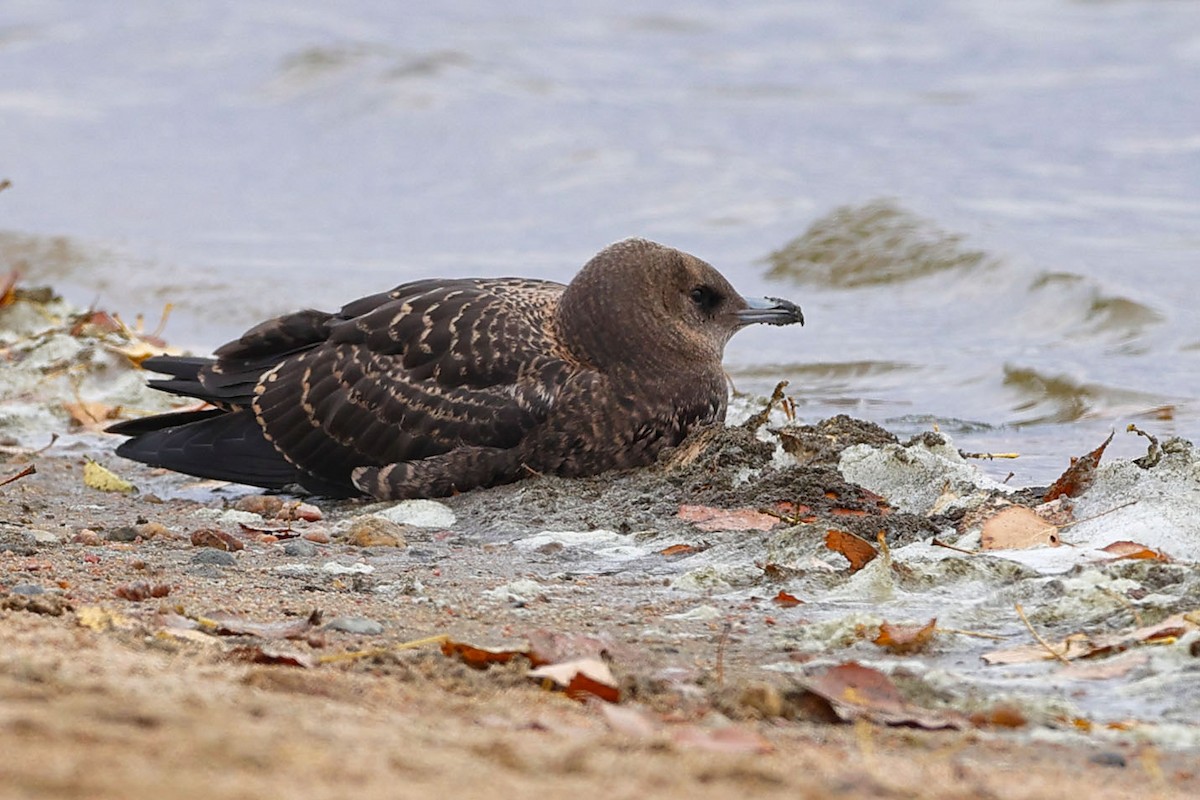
x=441 y=386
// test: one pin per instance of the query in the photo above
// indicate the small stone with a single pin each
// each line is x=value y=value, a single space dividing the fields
x=360 y=626
x=300 y=547
x=264 y=505
x=318 y=536
x=521 y=592
x=234 y=517
x=151 y=530
x=1108 y=758
x=220 y=558
x=219 y=540
x=125 y=533
x=421 y=513
x=86 y=536
x=44 y=537
x=27 y=588
x=374 y=531
x=334 y=568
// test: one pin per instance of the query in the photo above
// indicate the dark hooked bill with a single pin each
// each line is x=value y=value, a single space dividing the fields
x=770 y=310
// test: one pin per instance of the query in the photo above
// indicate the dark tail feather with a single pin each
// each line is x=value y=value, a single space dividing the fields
x=223 y=446
x=136 y=427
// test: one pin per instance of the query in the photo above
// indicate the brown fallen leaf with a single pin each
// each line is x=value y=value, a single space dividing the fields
x=852 y=691
x=1001 y=716
x=677 y=550
x=902 y=639
x=1080 y=645
x=261 y=655
x=480 y=657
x=1017 y=528
x=8 y=283
x=857 y=550
x=707 y=518
x=1132 y=550
x=217 y=539
x=91 y=416
x=786 y=600
x=553 y=647
x=580 y=679
x=225 y=623
x=1079 y=476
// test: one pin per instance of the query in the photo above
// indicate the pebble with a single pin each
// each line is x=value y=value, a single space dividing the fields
x=44 y=537
x=334 y=568
x=375 y=531
x=421 y=513
x=233 y=517
x=698 y=614
x=27 y=588
x=520 y=592
x=1108 y=758
x=220 y=558
x=125 y=533
x=261 y=504
x=360 y=626
x=294 y=570
x=300 y=547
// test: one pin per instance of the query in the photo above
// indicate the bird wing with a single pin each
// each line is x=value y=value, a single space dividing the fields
x=425 y=369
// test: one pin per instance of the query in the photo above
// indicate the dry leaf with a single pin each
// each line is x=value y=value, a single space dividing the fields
x=786 y=600
x=229 y=624
x=1017 y=528
x=852 y=691
x=857 y=550
x=1079 y=645
x=259 y=655
x=902 y=639
x=1079 y=475
x=553 y=647
x=479 y=657
x=104 y=479
x=8 y=284
x=92 y=416
x=1133 y=550
x=1000 y=717
x=707 y=518
x=580 y=679
x=677 y=550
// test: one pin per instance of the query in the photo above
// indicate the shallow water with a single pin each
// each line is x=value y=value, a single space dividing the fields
x=242 y=159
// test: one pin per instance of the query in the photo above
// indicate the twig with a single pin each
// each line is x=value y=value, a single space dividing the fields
x=1124 y=601
x=1096 y=516
x=1154 y=453
x=1038 y=636
x=30 y=470
x=988 y=456
x=976 y=634
x=940 y=543
x=721 y=643
x=758 y=420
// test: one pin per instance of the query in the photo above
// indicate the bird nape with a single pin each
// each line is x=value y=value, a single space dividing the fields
x=441 y=386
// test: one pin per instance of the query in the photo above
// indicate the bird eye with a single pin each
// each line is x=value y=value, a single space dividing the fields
x=705 y=298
